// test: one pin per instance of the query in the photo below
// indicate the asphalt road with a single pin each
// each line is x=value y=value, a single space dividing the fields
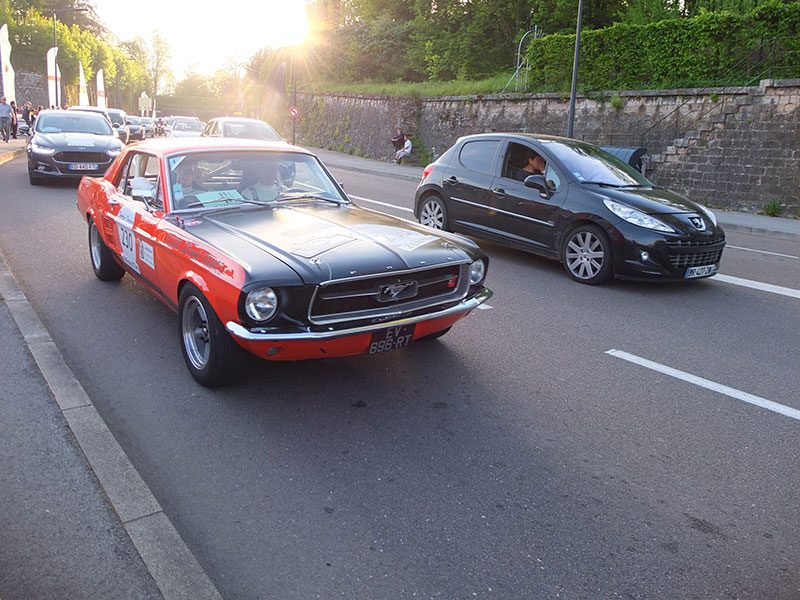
x=513 y=458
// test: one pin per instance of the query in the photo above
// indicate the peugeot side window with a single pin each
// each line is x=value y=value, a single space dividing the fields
x=479 y=155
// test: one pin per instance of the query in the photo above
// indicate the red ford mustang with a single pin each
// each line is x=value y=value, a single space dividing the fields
x=257 y=247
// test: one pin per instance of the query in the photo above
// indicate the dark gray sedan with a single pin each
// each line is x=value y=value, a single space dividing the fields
x=69 y=145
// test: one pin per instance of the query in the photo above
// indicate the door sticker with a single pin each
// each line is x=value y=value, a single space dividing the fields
x=146 y=254
x=127 y=239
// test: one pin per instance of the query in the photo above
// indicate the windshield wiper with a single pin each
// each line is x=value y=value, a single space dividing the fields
x=301 y=196
x=603 y=183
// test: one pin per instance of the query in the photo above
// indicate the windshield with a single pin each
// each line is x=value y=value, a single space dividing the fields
x=63 y=122
x=590 y=164
x=254 y=131
x=224 y=179
x=188 y=126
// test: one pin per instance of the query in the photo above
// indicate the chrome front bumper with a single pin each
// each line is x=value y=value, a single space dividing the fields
x=464 y=306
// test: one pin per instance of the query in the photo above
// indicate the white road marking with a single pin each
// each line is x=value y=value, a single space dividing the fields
x=761 y=251
x=403 y=208
x=757 y=285
x=710 y=385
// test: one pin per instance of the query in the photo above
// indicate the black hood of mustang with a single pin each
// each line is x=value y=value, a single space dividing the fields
x=653 y=201
x=78 y=142
x=321 y=242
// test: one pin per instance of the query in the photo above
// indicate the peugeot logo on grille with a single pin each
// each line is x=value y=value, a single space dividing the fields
x=397 y=291
x=698 y=222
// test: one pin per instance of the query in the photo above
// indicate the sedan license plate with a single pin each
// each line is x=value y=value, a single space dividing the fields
x=391 y=338
x=693 y=272
x=83 y=166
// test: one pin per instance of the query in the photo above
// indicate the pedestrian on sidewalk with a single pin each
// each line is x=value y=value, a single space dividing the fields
x=5 y=119
x=404 y=151
x=14 y=119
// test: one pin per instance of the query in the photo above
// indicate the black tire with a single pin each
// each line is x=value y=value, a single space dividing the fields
x=210 y=353
x=35 y=180
x=587 y=256
x=433 y=213
x=103 y=264
x=434 y=336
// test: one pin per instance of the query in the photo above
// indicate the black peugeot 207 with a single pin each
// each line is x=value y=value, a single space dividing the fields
x=584 y=207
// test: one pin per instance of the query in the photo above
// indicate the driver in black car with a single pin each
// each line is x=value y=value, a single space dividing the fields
x=534 y=165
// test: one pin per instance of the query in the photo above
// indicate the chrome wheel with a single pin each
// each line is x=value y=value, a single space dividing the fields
x=194 y=327
x=585 y=255
x=432 y=214
x=95 y=247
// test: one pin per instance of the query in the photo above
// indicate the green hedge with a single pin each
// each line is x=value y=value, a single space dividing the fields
x=710 y=49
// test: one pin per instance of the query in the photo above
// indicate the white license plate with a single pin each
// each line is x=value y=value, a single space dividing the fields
x=693 y=272
x=391 y=338
x=83 y=166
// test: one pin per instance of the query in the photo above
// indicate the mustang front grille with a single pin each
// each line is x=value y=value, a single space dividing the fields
x=372 y=296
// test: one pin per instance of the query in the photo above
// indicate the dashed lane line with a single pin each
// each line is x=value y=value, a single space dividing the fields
x=757 y=285
x=786 y=411
x=394 y=206
x=761 y=251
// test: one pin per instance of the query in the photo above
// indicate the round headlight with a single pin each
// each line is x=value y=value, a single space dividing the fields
x=477 y=271
x=261 y=304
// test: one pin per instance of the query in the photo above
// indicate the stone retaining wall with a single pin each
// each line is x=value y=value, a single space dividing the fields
x=735 y=147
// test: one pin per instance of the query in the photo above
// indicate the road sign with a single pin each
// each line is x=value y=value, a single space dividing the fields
x=294 y=112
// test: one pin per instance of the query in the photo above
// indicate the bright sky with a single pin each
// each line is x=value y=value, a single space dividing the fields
x=206 y=36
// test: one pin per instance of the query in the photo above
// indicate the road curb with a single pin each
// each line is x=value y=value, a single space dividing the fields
x=166 y=556
x=773 y=233
x=11 y=155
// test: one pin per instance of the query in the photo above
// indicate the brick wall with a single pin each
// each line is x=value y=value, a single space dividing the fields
x=736 y=148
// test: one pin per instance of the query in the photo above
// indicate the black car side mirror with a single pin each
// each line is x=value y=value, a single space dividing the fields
x=538 y=182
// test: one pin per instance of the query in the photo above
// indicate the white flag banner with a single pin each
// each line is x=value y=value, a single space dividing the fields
x=101 y=91
x=83 y=94
x=9 y=82
x=51 y=76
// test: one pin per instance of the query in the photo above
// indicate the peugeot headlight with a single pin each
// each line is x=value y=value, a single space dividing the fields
x=709 y=213
x=113 y=151
x=477 y=271
x=637 y=217
x=39 y=149
x=261 y=304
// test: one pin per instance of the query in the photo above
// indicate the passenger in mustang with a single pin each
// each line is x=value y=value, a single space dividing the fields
x=265 y=187
x=186 y=187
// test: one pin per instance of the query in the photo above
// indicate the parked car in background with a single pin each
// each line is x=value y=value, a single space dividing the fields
x=186 y=129
x=287 y=269
x=171 y=121
x=596 y=214
x=239 y=127
x=69 y=145
x=135 y=128
x=149 y=124
x=119 y=120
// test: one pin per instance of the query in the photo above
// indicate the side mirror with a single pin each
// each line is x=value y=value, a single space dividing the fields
x=115 y=125
x=538 y=182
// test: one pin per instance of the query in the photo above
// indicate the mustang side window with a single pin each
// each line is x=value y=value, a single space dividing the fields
x=140 y=181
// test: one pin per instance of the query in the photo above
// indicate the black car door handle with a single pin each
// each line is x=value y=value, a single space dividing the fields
x=451 y=179
x=499 y=192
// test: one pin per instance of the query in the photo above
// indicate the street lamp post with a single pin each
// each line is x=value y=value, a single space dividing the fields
x=55 y=45
x=294 y=91
x=573 y=90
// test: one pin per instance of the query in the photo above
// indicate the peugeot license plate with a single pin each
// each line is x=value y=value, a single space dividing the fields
x=391 y=338
x=693 y=272
x=83 y=166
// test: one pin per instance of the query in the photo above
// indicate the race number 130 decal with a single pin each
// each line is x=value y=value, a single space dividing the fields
x=127 y=240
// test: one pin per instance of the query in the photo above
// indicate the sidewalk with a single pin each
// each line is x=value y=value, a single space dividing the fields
x=77 y=520
x=731 y=221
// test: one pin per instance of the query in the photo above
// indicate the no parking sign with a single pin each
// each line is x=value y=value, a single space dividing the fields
x=294 y=112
